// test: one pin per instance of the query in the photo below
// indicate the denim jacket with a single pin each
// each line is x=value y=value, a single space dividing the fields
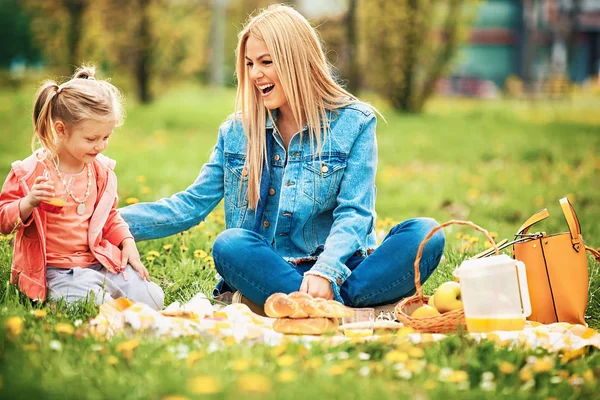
x=319 y=209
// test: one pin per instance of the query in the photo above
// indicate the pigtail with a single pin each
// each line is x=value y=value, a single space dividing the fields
x=42 y=117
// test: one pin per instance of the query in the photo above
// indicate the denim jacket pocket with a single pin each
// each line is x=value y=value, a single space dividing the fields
x=236 y=189
x=321 y=177
x=236 y=180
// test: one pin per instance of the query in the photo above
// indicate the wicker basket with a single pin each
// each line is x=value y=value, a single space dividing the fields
x=443 y=323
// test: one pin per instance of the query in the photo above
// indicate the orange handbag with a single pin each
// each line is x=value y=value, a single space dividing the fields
x=556 y=266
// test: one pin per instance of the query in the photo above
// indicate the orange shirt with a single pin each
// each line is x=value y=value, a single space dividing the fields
x=67 y=243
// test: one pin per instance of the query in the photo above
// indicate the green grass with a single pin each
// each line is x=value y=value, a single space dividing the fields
x=494 y=163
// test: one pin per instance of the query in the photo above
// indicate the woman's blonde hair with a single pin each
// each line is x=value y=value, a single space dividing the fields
x=305 y=76
x=80 y=99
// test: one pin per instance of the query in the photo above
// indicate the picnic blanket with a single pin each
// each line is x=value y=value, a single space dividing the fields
x=235 y=321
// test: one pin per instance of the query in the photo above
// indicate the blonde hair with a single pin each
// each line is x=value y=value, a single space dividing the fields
x=80 y=99
x=305 y=76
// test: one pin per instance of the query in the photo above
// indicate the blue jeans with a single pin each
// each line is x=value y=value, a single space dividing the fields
x=247 y=262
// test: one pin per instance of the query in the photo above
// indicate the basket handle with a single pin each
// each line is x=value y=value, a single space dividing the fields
x=419 y=289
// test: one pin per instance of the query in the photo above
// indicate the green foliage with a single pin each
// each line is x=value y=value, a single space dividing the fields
x=494 y=163
x=408 y=45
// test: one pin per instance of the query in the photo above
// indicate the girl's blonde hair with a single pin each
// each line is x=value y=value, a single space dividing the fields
x=306 y=78
x=80 y=99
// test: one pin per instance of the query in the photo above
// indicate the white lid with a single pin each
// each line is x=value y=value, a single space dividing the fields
x=481 y=264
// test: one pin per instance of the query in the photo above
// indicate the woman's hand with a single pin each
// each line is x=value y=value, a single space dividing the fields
x=317 y=286
x=130 y=255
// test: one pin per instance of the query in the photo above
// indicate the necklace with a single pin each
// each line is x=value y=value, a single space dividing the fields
x=81 y=206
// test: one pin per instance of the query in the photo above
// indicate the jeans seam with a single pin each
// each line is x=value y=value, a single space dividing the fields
x=395 y=283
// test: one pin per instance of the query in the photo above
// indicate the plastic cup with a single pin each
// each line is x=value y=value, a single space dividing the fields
x=360 y=325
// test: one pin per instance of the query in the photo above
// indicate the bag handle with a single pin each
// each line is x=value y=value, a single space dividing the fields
x=573 y=222
x=418 y=288
x=595 y=253
x=534 y=219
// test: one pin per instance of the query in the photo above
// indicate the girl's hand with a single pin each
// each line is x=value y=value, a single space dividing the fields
x=130 y=255
x=317 y=286
x=42 y=190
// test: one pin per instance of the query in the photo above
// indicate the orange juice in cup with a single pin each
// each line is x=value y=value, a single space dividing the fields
x=56 y=204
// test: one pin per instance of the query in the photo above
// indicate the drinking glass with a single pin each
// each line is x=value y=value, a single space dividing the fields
x=61 y=194
x=359 y=325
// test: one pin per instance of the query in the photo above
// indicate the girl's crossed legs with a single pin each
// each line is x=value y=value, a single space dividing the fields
x=247 y=262
x=76 y=283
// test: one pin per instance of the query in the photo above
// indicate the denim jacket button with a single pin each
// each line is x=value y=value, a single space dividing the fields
x=266 y=224
x=324 y=169
x=276 y=158
x=271 y=191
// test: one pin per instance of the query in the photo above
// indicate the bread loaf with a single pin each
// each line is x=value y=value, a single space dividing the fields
x=302 y=305
x=305 y=326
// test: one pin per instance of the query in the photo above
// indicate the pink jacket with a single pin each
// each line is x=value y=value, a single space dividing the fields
x=106 y=230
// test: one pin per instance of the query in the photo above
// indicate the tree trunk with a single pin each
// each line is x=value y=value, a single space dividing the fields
x=142 y=67
x=217 y=43
x=351 y=47
x=449 y=32
x=75 y=8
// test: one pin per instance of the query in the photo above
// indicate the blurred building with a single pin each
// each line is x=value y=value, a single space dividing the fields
x=534 y=40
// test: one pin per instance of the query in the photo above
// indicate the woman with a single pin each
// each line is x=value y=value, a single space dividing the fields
x=296 y=165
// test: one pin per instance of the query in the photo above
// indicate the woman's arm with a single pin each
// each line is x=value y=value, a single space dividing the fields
x=183 y=210
x=353 y=216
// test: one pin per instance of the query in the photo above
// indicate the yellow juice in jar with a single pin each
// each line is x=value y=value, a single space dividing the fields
x=358 y=333
x=495 y=324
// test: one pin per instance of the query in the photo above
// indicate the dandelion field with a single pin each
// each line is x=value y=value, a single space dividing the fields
x=494 y=163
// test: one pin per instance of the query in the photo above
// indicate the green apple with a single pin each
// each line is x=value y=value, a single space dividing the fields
x=447 y=297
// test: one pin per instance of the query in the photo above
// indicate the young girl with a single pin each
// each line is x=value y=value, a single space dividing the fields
x=60 y=201
x=296 y=166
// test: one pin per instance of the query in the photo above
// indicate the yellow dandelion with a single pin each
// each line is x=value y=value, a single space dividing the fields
x=154 y=253
x=240 y=365
x=588 y=375
x=544 y=364
x=132 y=200
x=140 y=179
x=563 y=374
x=494 y=235
x=458 y=376
x=336 y=370
x=210 y=262
x=30 y=347
x=254 y=383
x=200 y=254
x=474 y=239
x=286 y=360
x=278 y=350
x=429 y=384
x=167 y=247
x=313 y=363
x=175 y=397
x=416 y=352
x=286 y=376
x=506 y=368
x=39 y=313
x=193 y=357
x=487 y=244
x=126 y=348
x=459 y=235
x=396 y=356
x=14 y=327
x=183 y=248
x=150 y=258
x=112 y=360
x=205 y=384
x=525 y=374
x=145 y=190
x=65 y=329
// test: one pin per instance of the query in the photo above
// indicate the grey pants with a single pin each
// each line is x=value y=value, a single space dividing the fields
x=77 y=283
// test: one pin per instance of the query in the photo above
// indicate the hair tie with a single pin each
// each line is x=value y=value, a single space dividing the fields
x=58 y=90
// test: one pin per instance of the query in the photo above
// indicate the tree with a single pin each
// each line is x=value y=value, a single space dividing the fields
x=409 y=44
